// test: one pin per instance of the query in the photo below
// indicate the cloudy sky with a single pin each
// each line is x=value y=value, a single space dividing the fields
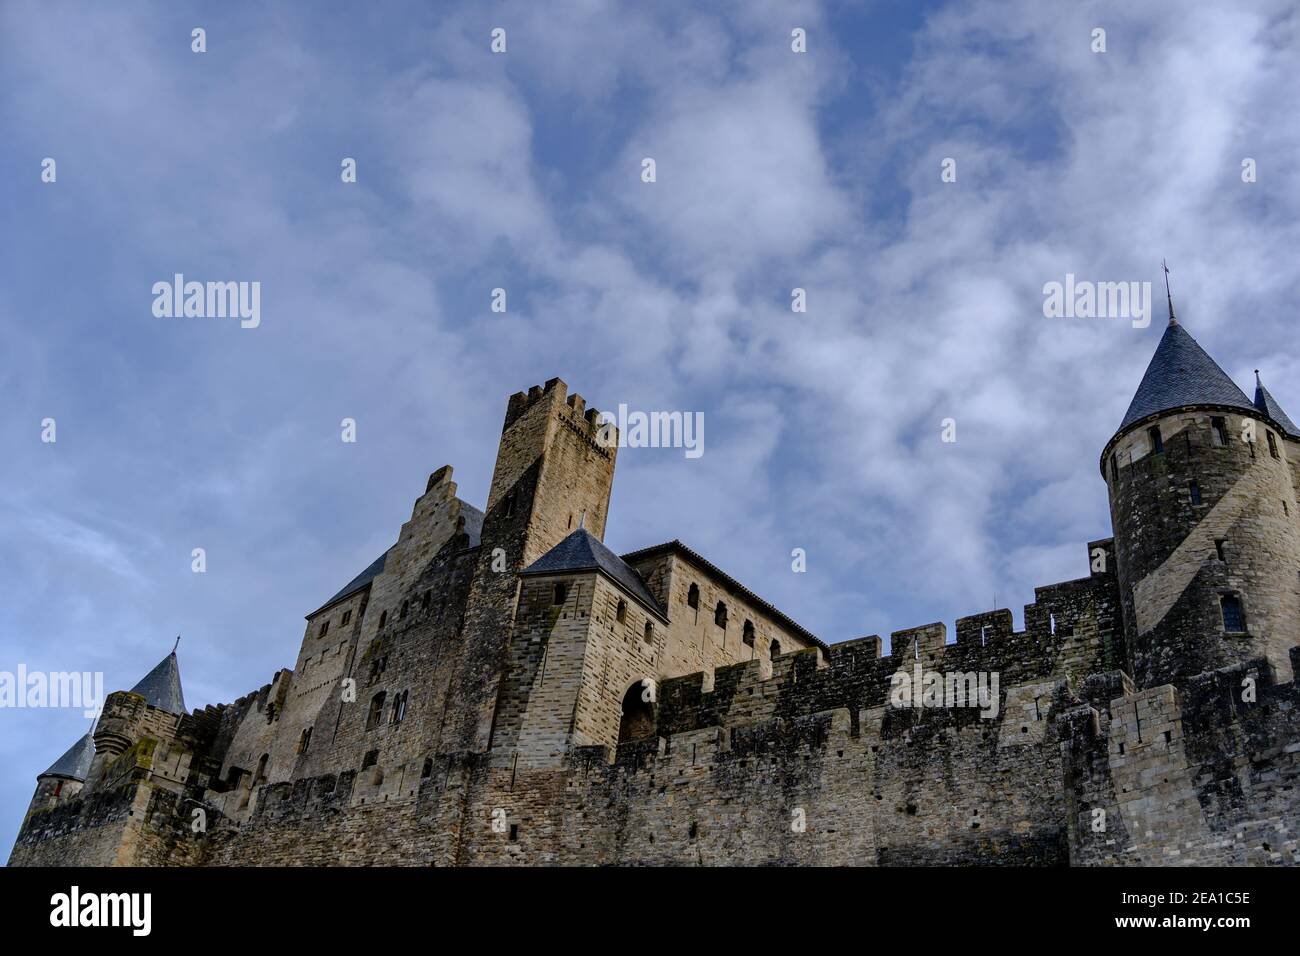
x=522 y=170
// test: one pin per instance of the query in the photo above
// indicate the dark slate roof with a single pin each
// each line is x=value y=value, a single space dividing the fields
x=1267 y=404
x=356 y=584
x=473 y=527
x=677 y=547
x=581 y=551
x=76 y=762
x=1181 y=373
x=161 y=687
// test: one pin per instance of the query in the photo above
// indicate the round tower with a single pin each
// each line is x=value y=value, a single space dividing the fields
x=65 y=777
x=1207 y=529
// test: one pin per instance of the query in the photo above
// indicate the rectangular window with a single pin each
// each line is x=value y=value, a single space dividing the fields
x=347 y=616
x=1220 y=429
x=1234 y=620
x=1218 y=549
x=1272 y=445
x=1157 y=444
x=1114 y=467
x=325 y=628
x=1195 y=490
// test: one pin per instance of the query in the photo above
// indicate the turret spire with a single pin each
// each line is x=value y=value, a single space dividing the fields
x=1169 y=296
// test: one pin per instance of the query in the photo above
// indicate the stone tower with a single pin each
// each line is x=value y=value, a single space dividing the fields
x=553 y=474
x=65 y=777
x=1207 y=532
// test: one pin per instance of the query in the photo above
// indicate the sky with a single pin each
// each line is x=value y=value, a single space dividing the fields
x=523 y=170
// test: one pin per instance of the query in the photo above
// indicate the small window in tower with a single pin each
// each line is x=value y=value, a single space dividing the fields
x=649 y=632
x=748 y=634
x=1194 y=490
x=304 y=741
x=1272 y=445
x=514 y=833
x=1234 y=619
x=1114 y=467
x=376 y=711
x=402 y=614
x=693 y=596
x=325 y=628
x=347 y=616
x=1157 y=444
x=1285 y=508
x=370 y=759
x=509 y=508
x=383 y=619
x=774 y=649
x=561 y=592
x=1219 y=544
x=720 y=615
x=621 y=613
x=427 y=770
x=399 y=707
x=1220 y=430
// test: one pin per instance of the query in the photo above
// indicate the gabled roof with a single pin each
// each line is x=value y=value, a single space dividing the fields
x=362 y=580
x=473 y=527
x=161 y=687
x=776 y=613
x=582 y=551
x=1267 y=404
x=1181 y=373
x=74 y=764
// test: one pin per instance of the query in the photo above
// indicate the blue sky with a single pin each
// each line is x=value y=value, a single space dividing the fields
x=775 y=170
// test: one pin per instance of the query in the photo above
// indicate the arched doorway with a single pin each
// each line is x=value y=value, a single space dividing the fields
x=638 y=713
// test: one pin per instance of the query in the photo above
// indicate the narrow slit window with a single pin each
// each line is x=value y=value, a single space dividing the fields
x=1272 y=445
x=1194 y=489
x=1157 y=444
x=1219 y=549
x=1234 y=619
x=561 y=592
x=1220 y=429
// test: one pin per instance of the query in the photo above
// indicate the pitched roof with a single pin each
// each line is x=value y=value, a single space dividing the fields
x=473 y=527
x=1181 y=373
x=1267 y=404
x=161 y=687
x=775 y=612
x=582 y=551
x=76 y=762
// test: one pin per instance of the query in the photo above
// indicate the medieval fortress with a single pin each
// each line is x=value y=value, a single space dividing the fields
x=500 y=688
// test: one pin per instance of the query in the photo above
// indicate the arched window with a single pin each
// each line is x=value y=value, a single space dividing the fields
x=774 y=648
x=720 y=615
x=1234 y=618
x=427 y=770
x=1153 y=435
x=399 y=707
x=260 y=775
x=649 y=632
x=376 y=711
x=561 y=593
x=383 y=619
x=304 y=741
x=693 y=596
x=621 y=613
x=638 y=714
x=748 y=634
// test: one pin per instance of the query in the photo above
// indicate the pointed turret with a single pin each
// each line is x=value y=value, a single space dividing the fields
x=75 y=764
x=1181 y=373
x=161 y=687
x=583 y=551
x=1267 y=404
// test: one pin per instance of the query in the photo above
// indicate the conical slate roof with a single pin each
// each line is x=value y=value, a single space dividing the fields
x=76 y=762
x=1267 y=404
x=161 y=687
x=582 y=551
x=1182 y=373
